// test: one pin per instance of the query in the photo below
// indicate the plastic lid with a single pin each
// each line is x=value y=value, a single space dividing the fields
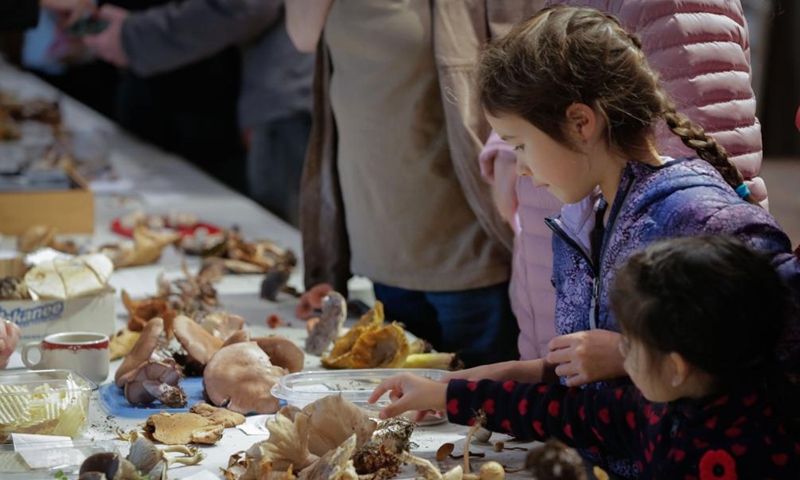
x=300 y=389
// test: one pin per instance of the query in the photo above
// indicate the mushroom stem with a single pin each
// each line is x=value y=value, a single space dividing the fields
x=480 y=419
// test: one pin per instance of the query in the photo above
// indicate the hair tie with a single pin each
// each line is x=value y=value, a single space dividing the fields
x=742 y=190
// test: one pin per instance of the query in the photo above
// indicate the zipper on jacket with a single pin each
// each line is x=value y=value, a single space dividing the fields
x=556 y=228
x=596 y=267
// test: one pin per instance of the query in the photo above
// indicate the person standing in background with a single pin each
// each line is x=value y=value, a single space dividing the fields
x=22 y=14
x=392 y=189
x=190 y=111
x=274 y=97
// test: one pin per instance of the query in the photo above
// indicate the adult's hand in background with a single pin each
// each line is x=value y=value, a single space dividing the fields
x=107 y=45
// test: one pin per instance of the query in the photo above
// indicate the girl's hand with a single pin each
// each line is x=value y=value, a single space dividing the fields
x=410 y=392
x=9 y=336
x=586 y=357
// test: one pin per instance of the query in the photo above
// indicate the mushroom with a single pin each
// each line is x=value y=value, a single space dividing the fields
x=155 y=381
x=333 y=420
x=239 y=377
x=554 y=459
x=334 y=465
x=198 y=343
x=282 y=352
x=145 y=460
x=220 y=416
x=275 y=281
x=222 y=324
x=287 y=446
x=141 y=351
x=334 y=313
x=183 y=428
x=312 y=300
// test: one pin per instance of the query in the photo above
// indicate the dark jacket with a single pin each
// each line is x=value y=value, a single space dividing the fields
x=737 y=434
x=275 y=77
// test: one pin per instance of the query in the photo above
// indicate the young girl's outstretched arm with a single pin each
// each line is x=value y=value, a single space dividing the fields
x=608 y=420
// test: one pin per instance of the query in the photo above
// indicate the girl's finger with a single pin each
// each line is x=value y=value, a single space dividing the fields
x=379 y=391
x=559 y=356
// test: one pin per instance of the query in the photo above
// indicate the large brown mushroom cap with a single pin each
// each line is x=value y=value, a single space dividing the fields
x=282 y=352
x=198 y=343
x=240 y=376
x=333 y=420
x=141 y=351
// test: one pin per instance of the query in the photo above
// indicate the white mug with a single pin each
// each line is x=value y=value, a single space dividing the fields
x=84 y=352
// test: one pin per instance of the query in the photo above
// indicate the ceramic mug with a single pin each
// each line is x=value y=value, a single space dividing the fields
x=84 y=352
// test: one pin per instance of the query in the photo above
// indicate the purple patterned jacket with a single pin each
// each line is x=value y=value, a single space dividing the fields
x=685 y=197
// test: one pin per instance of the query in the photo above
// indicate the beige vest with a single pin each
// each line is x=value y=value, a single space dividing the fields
x=408 y=222
x=460 y=28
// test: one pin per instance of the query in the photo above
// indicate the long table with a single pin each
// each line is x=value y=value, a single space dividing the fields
x=161 y=182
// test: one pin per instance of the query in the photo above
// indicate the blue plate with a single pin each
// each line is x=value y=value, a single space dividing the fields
x=113 y=400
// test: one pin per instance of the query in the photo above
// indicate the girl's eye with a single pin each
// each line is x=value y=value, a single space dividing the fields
x=519 y=148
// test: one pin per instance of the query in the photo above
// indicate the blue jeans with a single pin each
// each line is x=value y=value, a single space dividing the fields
x=477 y=324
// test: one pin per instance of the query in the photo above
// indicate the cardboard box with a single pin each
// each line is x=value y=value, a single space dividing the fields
x=37 y=319
x=70 y=211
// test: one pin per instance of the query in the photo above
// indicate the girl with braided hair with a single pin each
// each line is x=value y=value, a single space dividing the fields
x=571 y=91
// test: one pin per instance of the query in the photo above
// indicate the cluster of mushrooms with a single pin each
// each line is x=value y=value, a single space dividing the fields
x=237 y=371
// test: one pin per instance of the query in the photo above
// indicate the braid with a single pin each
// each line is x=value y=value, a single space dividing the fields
x=693 y=136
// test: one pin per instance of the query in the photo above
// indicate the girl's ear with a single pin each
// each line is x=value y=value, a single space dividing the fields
x=582 y=121
x=679 y=369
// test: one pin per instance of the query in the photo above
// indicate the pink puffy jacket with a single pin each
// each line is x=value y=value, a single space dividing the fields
x=700 y=48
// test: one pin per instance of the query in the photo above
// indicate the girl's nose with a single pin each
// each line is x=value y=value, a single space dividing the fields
x=522 y=169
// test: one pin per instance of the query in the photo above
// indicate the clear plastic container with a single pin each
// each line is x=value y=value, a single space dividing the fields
x=53 y=461
x=356 y=386
x=44 y=402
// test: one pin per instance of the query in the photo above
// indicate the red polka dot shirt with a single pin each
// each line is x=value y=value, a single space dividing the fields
x=737 y=435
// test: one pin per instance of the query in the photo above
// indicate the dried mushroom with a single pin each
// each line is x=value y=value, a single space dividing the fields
x=61 y=279
x=145 y=461
x=198 y=343
x=146 y=248
x=555 y=460
x=328 y=429
x=12 y=288
x=141 y=352
x=334 y=313
x=334 y=465
x=155 y=381
x=287 y=446
x=220 y=416
x=239 y=377
x=183 y=428
x=282 y=352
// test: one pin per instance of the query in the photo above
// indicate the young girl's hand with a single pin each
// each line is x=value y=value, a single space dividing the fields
x=410 y=392
x=586 y=357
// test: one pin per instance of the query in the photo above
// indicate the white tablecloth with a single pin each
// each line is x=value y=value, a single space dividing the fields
x=161 y=182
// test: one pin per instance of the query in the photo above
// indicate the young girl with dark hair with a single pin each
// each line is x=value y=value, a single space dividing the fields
x=571 y=90
x=709 y=401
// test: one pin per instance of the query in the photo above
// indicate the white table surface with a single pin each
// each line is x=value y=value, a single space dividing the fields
x=162 y=182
